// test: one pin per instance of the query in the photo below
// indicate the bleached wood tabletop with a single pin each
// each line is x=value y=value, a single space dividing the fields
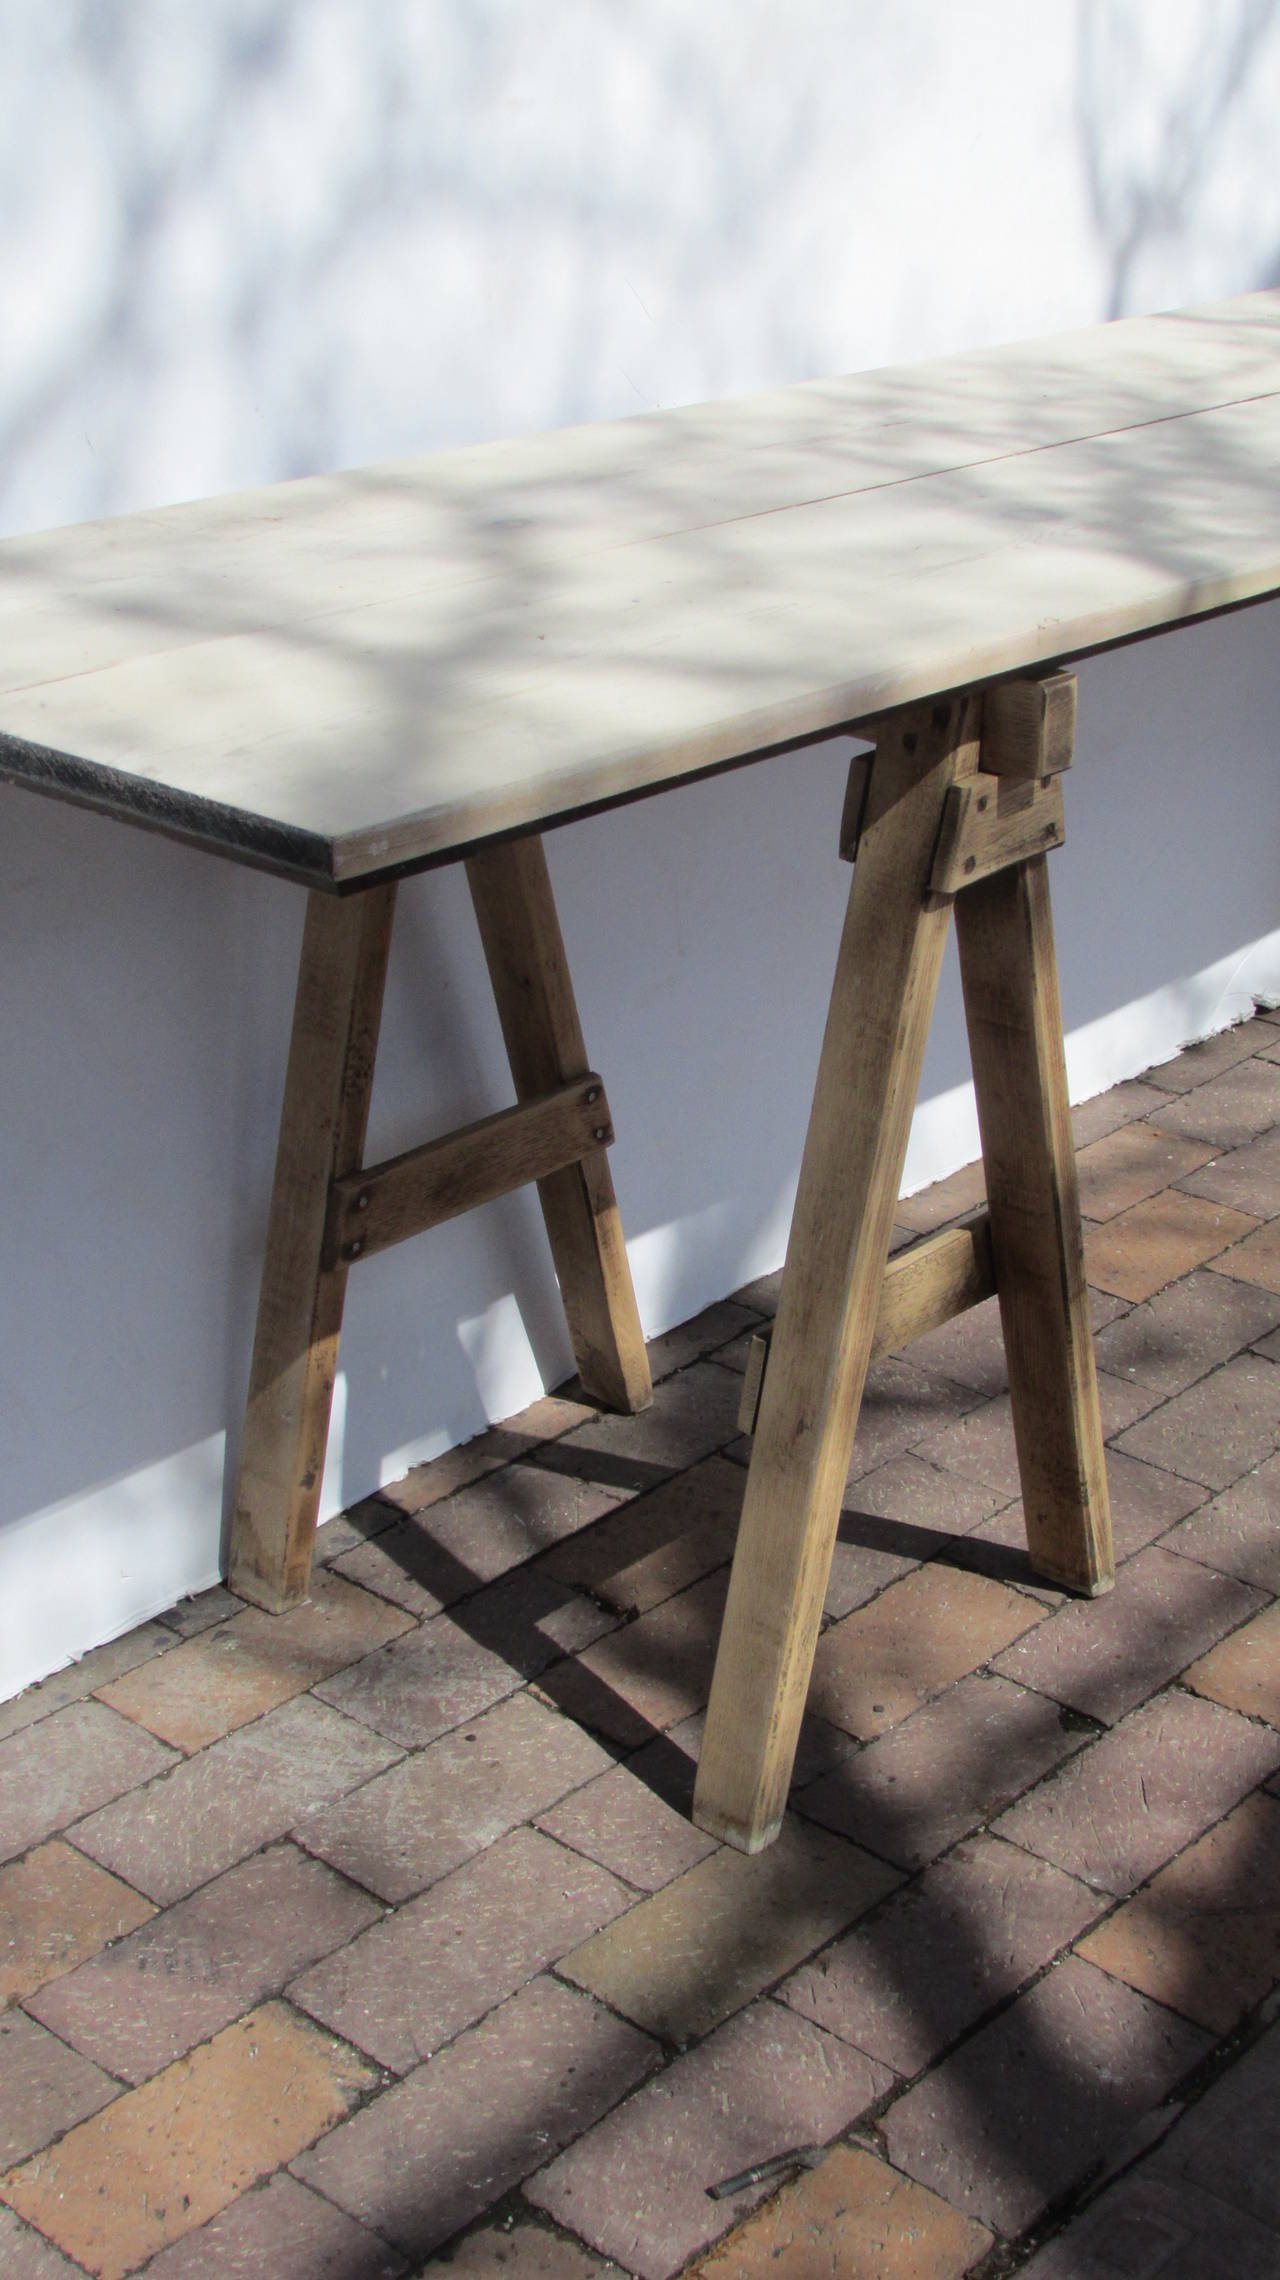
x=353 y=674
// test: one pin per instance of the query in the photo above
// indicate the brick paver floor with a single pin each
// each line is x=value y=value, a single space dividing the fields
x=376 y=1941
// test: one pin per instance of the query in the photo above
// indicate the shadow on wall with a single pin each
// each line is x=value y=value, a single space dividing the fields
x=263 y=238
x=1162 y=97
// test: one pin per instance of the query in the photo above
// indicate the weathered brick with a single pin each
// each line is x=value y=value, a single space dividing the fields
x=1226 y=2142
x=163 y=2159
x=1239 y=1531
x=927 y=1630
x=938 y=1774
x=199 y=1611
x=437 y=2149
x=1215 y=1430
x=1029 y=2104
x=57 y=1909
x=280 y=2232
x=1247 y=1178
x=211 y=1810
x=1179 y=1336
x=519 y=2248
x=196 y=1967
x=851 y=2218
x=1103 y=1656
x=938 y=1954
x=692 y=1414
x=1255 y=1260
x=221 y=1679
x=658 y=1544
x=1232 y=1108
x=1106 y=1112
x=933 y=1206
x=637 y=2186
x=705 y=1334
x=25 y=2255
x=651 y=1673
x=702 y=1947
x=1145 y=1501
x=410 y=1826
x=621 y=1823
x=412 y=1982
x=980 y=1446
x=529 y=1619
x=1244 y=1670
x=1132 y=1163
x=1200 y=1063
x=430 y=1560
x=71 y=1762
x=1204 y=1935
x=1155 y=1242
x=1158 y=2225
x=429 y=1680
x=44 y=2087
x=901 y=1403
x=80 y=1678
x=1118 y=1811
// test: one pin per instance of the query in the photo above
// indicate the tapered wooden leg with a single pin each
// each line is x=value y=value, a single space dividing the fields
x=295 y=1352
x=1012 y=1008
x=511 y=890
x=886 y=978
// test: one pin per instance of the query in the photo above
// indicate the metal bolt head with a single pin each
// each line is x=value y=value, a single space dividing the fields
x=362 y=1200
x=600 y=1132
x=593 y=1095
x=354 y=1249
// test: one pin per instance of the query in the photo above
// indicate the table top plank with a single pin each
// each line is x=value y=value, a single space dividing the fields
x=355 y=673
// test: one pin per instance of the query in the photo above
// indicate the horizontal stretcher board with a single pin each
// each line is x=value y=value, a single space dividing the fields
x=353 y=674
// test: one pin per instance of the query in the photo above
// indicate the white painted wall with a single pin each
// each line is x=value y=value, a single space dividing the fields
x=259 y=237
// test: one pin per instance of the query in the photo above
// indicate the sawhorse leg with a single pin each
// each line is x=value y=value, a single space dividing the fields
x=328 y=1209
x=938 y=823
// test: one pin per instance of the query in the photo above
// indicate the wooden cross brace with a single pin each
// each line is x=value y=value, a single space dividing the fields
x=956 y=811
x=329 y=1209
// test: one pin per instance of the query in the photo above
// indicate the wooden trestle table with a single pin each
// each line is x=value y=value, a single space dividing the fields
x=354 y=677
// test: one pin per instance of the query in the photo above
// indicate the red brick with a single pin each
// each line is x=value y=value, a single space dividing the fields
x=44 y=2087
x=192 y=1970
x=637 y=2186
x=931 y=1628
x=619 y=1822
x=1217 y=1429
x=1226 y=2142
x=1255 y=1260
x=651 y=1673
x=1027 y=2106
x=519 y=2248
x=211 y=1810
x=412 y=1825
x=960 y=1759
x=1204 y=1936
x=439 y=2148
x=226 y=1676
x=422 y=1684
x=708 y=1942
x=906 y=1983
x=1131 y=1163
x=1244 y=1670
x=1114 y=1814
x=1182 y=1334
x=529 y=1619
x=851 y=2218
x=281 y=2232
x=1106 y=1112
x=428 y=1561
x=26 y=2255
x=1153 y=1243
x=1247 y=1178
x=411 y=1983
x=1239 y=1531
x=647 y=1550
x=80 y=1678
x=56 y=1910
x=71 y=1762
x=200 y=1610
x=1158 y=2225
x=692 y=1414
x=1144 y=1503
x=1200 y=1063
x=901 y=1403
x=1232 y=1108
x=1103 y=1656
x=705 y=1334
x=980 y=1446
